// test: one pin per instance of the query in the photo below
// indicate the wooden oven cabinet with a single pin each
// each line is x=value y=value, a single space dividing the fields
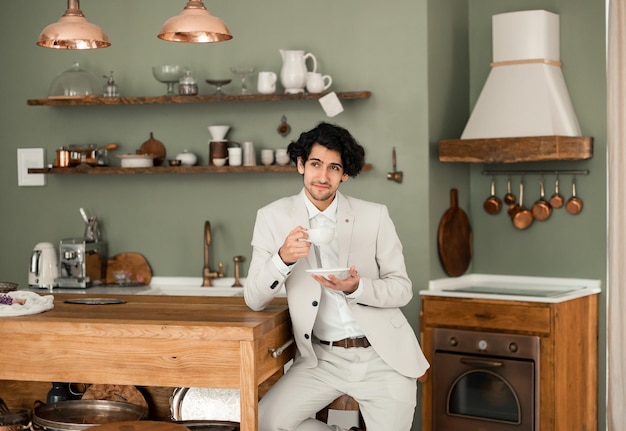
x=568 y=332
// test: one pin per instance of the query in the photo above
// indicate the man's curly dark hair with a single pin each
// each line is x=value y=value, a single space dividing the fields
x=334 y=138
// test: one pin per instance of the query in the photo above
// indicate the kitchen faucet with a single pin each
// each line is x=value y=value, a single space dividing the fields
x=207 y=274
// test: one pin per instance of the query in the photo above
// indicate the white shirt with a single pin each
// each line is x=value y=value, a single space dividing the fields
x=334 y=319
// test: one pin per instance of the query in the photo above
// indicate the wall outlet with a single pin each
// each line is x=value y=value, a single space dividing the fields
x=30 y=158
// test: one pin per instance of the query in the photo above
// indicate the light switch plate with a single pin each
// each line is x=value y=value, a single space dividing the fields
x=30 y=158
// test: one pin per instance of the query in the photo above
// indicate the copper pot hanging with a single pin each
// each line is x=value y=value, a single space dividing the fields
x=492 y=204
x=541 y=209
x=574 y=204
x=556 y=200
x=521 y=217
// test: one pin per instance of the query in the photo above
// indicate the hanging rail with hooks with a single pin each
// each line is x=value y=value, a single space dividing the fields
x=538 y=172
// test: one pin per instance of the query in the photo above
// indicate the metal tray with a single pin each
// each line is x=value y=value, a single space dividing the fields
x=205 y=404
x=95 y=301
x=210 y=425
x=79 y=415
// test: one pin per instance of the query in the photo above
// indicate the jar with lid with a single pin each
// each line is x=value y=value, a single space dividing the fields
x=111 y=89
x=74 y=82
x=187 y=85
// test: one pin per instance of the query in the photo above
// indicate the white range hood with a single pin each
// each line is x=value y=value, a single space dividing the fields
x=525 y=93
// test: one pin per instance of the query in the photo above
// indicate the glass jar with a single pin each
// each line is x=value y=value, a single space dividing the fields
x=111 y=89
x=187 y=85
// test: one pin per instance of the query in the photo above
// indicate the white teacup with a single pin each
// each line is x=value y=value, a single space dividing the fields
x=321 y=235
x=316 y=82
x=267 y=157
x=266 y=83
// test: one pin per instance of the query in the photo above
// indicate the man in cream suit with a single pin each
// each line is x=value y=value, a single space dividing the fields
x=351 y=336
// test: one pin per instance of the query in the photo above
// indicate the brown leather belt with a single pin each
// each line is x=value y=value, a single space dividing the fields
x=348 y=342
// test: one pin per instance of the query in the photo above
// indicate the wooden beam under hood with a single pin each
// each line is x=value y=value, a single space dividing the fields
x=515 y=150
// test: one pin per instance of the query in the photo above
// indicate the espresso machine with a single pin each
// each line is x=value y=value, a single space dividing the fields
x=81 y=263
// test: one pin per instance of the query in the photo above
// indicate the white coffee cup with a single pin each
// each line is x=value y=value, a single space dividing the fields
x=316 y=82
x=321 y=235
x=267 y=157
x=234 y=156
x=266 y=82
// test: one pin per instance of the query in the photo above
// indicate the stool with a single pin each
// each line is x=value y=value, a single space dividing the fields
x=344 y=402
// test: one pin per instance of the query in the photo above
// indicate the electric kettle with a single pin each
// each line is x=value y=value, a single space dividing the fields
x=44 y=266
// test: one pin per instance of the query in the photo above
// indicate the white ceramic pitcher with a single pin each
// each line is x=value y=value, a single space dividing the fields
x=294 y=70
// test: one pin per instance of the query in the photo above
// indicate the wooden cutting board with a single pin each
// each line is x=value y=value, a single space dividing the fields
x=455 y=238
x=154 y=147
x=135 y=264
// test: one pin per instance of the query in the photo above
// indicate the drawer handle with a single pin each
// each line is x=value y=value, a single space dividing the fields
x=484 y=315
x=279 y=351
x=483 y=362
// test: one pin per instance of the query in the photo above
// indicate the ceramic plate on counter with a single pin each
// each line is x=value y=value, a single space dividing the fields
x=325 y=272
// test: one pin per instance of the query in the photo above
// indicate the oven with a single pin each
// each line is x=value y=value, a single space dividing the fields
x=485 y=381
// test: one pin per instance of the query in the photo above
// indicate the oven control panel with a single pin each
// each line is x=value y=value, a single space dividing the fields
x=486 y=343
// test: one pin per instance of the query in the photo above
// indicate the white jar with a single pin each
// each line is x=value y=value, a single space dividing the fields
x=186 y=158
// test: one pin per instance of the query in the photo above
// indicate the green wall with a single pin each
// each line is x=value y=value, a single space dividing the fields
x=425 y=63
x=564 y=245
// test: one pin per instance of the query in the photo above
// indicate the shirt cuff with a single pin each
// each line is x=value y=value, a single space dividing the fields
x=282 y=266
x=358 y=292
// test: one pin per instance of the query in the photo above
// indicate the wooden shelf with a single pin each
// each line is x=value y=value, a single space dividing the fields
x=515 y=150
x=114 y=170
x=97 y=100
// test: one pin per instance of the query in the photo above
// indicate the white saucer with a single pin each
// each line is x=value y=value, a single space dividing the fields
x=325 y=272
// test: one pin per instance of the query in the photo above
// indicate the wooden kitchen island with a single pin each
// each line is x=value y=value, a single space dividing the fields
x=172 y=341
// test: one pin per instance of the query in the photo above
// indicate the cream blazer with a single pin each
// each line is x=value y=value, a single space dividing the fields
x=367 y=240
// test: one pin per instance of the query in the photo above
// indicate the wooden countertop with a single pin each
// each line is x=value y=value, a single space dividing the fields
x=200 y=316
x=176 y=341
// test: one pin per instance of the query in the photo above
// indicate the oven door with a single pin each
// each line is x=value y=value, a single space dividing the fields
x=483 y=393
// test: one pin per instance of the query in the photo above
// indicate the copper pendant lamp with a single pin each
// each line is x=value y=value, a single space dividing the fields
x=73 y=31
x=194 y=25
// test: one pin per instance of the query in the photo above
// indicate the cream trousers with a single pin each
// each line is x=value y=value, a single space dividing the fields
x=387 y=399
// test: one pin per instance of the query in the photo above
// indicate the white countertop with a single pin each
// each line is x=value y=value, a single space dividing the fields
x=183 y=286
x=513 y=288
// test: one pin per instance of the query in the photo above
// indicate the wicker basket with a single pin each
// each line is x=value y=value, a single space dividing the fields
x=7 y=286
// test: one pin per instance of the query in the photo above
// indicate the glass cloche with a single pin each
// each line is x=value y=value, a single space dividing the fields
x=75 y=82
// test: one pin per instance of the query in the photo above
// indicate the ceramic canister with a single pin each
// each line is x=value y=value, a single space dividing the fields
x=217 y=150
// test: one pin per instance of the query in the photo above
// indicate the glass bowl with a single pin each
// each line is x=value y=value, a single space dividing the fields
x=168 y=74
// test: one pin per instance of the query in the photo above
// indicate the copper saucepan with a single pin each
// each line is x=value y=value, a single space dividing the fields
x=509 y=198
x=541 y=209
x=574 y=205
x=521 y=217
x=492 y=204
x=556 y=200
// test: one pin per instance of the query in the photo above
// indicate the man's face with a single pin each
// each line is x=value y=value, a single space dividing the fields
x=323 y=172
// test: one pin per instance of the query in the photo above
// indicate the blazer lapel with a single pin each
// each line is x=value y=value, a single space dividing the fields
x=345 y=228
